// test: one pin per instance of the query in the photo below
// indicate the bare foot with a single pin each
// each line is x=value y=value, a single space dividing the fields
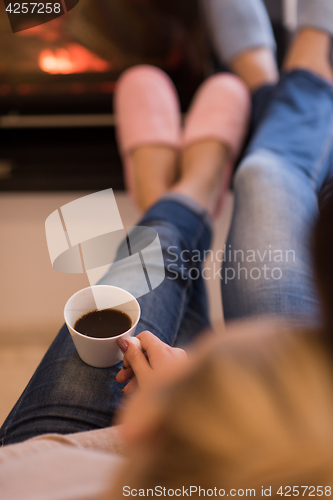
x=256 y=67
x=310 y=50
x=201 y=170
x=155 y=171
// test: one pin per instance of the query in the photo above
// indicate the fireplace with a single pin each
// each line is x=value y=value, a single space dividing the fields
x=57 y=81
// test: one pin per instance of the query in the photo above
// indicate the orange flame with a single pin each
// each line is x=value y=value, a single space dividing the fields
x=73 y=59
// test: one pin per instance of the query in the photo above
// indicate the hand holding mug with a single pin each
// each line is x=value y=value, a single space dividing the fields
x=160 y=363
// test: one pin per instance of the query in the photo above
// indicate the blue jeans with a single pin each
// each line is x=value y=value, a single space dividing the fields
x=268 y=267
x=66 y=395
x=276 y=189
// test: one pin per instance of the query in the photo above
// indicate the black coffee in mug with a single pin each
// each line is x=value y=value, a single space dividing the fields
x=103 y=324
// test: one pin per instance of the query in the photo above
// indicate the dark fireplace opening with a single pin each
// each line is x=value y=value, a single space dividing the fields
x=57 y=81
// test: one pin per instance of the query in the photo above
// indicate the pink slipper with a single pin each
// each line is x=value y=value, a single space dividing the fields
x=147 y=112
x=220 y=110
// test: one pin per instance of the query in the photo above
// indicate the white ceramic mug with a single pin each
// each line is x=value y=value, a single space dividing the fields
x=100 y=352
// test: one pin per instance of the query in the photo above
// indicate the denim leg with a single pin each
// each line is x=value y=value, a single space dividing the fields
x=66 y=395
x=196 y=317
x=268 y=267
x=260 y=103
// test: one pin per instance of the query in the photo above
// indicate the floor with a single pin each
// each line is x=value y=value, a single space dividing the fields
x=32 y=295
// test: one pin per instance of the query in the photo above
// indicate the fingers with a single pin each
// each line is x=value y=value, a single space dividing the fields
x=158 y=361
x=124 y=374
x=127 y=367
x=131 y=387
x=126 y=364
x=158 y=351
x=136 y=359
x=149 y=340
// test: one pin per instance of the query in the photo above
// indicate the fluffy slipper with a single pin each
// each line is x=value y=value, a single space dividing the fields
x=221 y=111
x=147 y=112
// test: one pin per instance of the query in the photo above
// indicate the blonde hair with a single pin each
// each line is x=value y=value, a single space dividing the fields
x=256 y=412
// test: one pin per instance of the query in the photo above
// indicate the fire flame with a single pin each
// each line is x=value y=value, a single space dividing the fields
x=72 y=59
